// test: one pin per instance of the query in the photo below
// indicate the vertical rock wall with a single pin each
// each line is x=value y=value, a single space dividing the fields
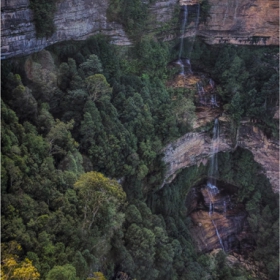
x=242 y=22
x=74 y=19
x=230 y=21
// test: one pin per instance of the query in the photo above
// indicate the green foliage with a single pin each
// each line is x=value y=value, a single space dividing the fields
x=43 y=13
x=91 y=66
x=256 y=192
x=109 y=111
x=59 y=137
x=248 y=81
x=132 y=14
x=66 y=272
x=98 y=192
x=205 y=8
x=20 y=98
x=153 y=57
x=97 y=87
x=133 y=215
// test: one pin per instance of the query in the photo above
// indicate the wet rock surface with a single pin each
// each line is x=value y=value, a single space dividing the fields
x=218 y=220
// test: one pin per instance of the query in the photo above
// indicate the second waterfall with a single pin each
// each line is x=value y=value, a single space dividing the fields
x=212 y=189
x=186 y=50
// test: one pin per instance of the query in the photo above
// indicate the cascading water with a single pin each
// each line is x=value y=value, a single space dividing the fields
x=185 y=19
x=203 y=98
x=213 y=170
x=188 y=65
x=185 y=63
x=212 y=189
x=219 y=219
x=219 y=237
x=201 y=92
x=213 y=101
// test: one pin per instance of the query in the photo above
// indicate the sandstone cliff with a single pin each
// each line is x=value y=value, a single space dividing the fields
x=236 y=22
x=242 y=22
x=195 y=148
x=74 y=20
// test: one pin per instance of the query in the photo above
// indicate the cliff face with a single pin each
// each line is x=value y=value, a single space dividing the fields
x=242 y=22
x=237 y=22
x=73 y=19
x=195 y=148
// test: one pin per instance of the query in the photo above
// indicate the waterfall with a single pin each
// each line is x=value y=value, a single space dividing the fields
x=213 y=101
x=210 y=208
x=217 y=232
x=186 y=62
x=225 y=207
x=212 y=175
x=197 y=17
x=185 y=19
x=213 y=170
x=201 y=93
x=211 y=83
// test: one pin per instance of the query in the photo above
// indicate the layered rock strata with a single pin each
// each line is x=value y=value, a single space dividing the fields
x=195 y=148
x=242 y=22
x=236 y=22
x=74 y=20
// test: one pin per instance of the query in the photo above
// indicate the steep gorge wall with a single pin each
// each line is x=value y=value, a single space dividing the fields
x=74 y=20
x=195 y=148
x=232 y=21
x=242 y=22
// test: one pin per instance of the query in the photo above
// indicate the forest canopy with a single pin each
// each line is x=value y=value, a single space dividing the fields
x=83 y=127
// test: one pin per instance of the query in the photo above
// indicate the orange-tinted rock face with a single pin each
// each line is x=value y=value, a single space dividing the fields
x=231 y=21
x=218 y=221
x=242 y=22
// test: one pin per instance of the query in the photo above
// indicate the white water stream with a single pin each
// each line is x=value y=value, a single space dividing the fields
x=212 y=189
x=217 y=232
x=185 y=19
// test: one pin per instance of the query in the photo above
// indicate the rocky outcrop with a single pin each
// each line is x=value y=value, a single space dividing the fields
x=195 y=148
x=265 y=151
x=162 y=11
x=74 y=20
x=255 y=268
x=242 y=22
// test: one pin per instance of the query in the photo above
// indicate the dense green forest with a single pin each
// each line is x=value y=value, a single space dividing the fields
x=83 y=127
